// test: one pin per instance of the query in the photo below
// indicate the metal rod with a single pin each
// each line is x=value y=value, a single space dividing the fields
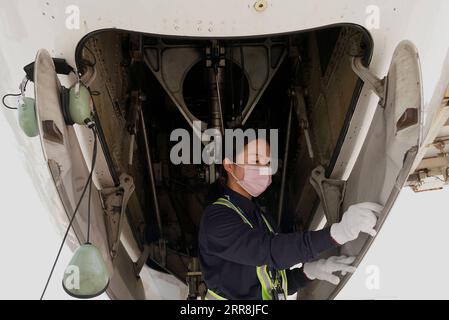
x=150 y=170
x=300 y=107
x=131 y=150
x=215 y=81
x=309 y=143
x=220 y=110
x=285 y=162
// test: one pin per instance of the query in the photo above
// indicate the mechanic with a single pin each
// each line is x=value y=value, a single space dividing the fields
x=240 y=252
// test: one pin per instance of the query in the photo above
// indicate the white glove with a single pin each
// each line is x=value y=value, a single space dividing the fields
x=323 y=269
x=358 y=218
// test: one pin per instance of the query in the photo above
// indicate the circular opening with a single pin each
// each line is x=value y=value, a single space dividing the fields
x=199 y=87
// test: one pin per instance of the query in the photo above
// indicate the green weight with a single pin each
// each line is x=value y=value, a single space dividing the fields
x=27 y=117
x=79 y=104
x=86 y=276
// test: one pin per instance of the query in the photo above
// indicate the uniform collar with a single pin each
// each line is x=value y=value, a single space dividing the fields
x=239 y=200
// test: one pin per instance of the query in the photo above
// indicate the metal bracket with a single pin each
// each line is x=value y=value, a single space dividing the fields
x=259 y=62
x=195 y=283
x=372 y=81
x=215 y=55
x=138 y=265
x=331 y=193
x=432 y=174
x=170 y=70
x=115 y=203
x=149 y=251
x=170 y=64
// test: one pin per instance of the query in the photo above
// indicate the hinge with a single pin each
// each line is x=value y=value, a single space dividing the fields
x=115 y=201
x=331 y=193
x=432 y=174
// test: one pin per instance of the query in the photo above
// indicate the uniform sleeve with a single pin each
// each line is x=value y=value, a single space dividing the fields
x=296 y=279
x=230 y=238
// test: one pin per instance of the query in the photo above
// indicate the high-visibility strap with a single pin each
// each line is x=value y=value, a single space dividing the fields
x=229 y=204
x=267 y=223
x=265 y=282
x=210 y=295
x=284 y=283
x=282 y=272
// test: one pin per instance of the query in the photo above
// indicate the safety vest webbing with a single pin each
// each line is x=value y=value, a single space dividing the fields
x=261 y=271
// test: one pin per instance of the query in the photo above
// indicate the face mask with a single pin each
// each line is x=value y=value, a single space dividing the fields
x=256 y=179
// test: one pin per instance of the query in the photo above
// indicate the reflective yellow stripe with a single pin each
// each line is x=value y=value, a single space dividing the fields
x=284 y=283
x=210 y=295
x=282 y=272
x=229 y=204
x=267 y=223
x=265 y=282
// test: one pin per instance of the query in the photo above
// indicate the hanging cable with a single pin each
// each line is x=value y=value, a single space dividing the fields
x=88 y=211
x=22 y=91
x=10 y=95
x=94 y=156
x=91 y=125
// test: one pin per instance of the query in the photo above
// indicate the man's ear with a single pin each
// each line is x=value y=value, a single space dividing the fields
x=227 y=165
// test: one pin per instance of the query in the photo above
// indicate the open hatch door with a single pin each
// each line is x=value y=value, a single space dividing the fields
x=59 y=145
x=66 y=150
x=388 y=152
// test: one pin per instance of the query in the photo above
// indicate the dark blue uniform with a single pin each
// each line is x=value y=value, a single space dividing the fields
x=229 y=249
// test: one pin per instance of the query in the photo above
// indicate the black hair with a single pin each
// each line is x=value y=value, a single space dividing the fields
x=216 y=189
x=230 y=149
